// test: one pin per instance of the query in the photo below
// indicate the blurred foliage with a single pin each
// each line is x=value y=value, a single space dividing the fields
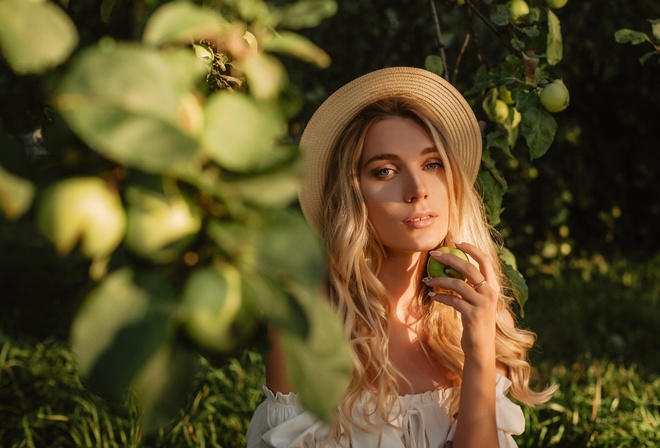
x=151 y=152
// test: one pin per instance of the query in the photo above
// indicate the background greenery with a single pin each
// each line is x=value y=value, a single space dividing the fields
x=582 y=222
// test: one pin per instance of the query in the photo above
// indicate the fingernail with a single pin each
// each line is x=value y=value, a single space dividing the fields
x=427 y=279
x=431 y=294
x=436 y=253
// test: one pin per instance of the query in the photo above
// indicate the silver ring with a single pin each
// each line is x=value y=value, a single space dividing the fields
x=480 y=284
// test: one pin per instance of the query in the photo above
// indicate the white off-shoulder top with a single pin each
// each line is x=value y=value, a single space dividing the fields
x=425 y=422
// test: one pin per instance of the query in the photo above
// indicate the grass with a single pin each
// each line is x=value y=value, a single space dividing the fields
x=596 y=325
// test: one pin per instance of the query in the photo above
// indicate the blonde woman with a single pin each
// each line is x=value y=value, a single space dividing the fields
x=391 y=161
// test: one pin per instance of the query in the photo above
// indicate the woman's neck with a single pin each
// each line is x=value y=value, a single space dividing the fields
x=400 y=274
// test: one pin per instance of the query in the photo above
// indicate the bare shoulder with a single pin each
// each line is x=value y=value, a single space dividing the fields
x=277 y=377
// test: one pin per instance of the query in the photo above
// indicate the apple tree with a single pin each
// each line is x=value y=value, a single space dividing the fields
x=160 y=157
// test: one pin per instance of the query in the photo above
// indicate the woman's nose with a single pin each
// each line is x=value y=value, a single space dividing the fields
x=415 y=188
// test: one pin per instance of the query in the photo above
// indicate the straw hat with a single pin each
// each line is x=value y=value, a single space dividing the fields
x=450 y=109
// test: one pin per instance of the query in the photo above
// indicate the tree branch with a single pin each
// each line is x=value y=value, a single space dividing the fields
x=492 y=27
x=441 y=46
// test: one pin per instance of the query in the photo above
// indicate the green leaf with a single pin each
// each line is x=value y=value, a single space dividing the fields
x=16 y=194
x=525 y=100
x=655 y=27
x=163 y=383
x=120 y=326
x=298 y=46
x=554 y=50
x=182 y=22
x=538 y=126
x=35 y=35
x=239 y=132
x=289 y=249
x=492 y=192
x=276 y=188
x=500 y=15
x=520 y=289
x=646 y=56
x=305 y=13
x=106 y=9
x=320 y=365
x=433 y=63
x=499 y=140
x=628 y=36
x=128 y=102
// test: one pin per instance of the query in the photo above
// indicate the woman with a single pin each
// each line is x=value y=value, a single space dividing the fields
x=391 y=161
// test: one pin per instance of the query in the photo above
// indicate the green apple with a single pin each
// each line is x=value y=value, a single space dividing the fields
x=82 y=210
x=500 y=111
x=517 y=9
x=556 y=4
x=555 y=96
x=159 y=226
x=213 y=310
x=436 y=269
x=517 y=117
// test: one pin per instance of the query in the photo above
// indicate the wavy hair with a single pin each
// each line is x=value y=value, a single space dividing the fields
x=355 y=256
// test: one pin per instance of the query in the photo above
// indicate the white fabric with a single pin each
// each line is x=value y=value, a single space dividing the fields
x=425 y=422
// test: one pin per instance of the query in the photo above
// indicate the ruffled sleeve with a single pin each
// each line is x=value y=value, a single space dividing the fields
x=509 y=416
x=280 y=421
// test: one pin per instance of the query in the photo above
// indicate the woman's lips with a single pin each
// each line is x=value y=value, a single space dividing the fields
x=420 y=221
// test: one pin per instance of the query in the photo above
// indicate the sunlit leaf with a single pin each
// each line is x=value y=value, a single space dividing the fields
x=298 y=46
x=35 y=35
x=289 y=248
x=628 y=36
x=163 y=383
x=16 y=194
x=305 y=13
x=518 y=282
x=323 y=356
x=125 y=102
x=120 y=326
x=274 y=188
x=265 y=75
x=655 y=28
x=555 y=48
x=239 y=132
x=492 y=193
x=538 y=126
x=182 y=22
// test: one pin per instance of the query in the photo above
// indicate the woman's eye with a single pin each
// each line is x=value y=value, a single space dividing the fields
x=435 y=165
x=384 y=172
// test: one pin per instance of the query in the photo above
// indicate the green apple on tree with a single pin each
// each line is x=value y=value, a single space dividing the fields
x=555 y=96
x=82 y=210
x=436 y=269
x=213 y=310
x=517 y=9
x=556 y=4
x=159 y=226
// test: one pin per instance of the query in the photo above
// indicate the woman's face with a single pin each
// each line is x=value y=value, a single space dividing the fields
x=404 y=185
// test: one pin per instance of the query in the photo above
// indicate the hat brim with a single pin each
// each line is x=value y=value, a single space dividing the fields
x=448 y=106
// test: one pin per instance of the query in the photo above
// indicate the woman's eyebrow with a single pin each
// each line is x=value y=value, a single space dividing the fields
x=395 y=157
x=384 y=156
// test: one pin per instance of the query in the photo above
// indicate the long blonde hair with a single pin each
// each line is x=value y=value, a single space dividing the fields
x=361 y=301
